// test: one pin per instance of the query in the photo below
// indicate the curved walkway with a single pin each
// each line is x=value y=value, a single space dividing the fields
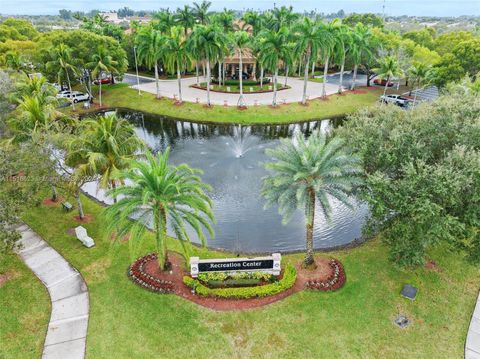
x=472 y=345
x=67 y=329
x=169 y=88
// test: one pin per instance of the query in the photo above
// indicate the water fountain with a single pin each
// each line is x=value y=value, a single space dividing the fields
x=240 y=140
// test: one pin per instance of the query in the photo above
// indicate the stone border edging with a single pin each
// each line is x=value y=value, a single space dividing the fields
x=67 y=328
x=472 y=344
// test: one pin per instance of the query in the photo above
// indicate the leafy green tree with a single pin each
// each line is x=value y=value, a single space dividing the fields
x=367 y=19
x=151 y=50
x=448 y=70
x=422 y=174
x=424 y=37
x=389 y=68
x=467 y=53
x=23 y=26
x=106 y=146
x=307 y=172
x=62 y=62
x=14 y=61
x=102 y=62
x=446 y=42
x=419 y=73
x=163 y=194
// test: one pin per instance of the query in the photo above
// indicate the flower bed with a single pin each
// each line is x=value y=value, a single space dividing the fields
x=137 y=274
x=286 y=282
x=335 y=281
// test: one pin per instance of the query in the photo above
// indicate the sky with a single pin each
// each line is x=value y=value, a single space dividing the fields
x=392 y=7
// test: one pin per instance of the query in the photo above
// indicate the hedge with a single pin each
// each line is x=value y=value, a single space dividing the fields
x=288 y=280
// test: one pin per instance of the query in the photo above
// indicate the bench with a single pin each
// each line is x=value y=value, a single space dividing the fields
x=83 y=237
x=67 y=206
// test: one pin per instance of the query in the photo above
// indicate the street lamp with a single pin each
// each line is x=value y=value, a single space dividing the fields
x=136 y=68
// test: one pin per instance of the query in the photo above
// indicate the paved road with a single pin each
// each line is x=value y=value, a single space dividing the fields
x=132 y=79
x=347 y=79
x=67 y=329
x=169 y=88
x=472 y=345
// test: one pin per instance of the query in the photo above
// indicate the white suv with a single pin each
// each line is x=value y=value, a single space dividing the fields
x=78 y=97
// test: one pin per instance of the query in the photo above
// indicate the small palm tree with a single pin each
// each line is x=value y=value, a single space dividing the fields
x=185 y=18
x=309 y=171
x=102 y=62
x=327 y=46
x=419 y=72
x=389 y=68
x=341 y=49
x=163 y=194
x=62 y=62
x=105 y=147
x=177 y=55
x=241 y=41
x=150 y=50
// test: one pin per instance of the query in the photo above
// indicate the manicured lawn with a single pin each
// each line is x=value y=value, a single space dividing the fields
x=355 y=322
x=121 y=96
x=24 y=311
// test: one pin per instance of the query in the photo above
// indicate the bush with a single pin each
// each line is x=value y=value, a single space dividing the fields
x=288 y=280
x=244 y=82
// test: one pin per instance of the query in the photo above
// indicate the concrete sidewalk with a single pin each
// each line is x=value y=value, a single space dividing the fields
x=472 y=345
x=67 y=329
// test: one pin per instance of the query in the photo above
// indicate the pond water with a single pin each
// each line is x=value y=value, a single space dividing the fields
x=232 y=159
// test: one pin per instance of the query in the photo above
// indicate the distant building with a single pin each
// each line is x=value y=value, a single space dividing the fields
x=113 y=18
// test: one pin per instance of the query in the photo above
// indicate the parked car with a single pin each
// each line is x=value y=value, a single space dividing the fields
x=64 y=94
x=398 y=100
x=79 y=97
x=245 y=76
x=382 y=82
x=104 y=81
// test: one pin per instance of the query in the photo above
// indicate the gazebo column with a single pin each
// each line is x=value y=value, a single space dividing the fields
x=254 y=71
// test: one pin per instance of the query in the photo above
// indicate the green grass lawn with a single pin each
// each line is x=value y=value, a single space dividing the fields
x=24 y=310
x=355 y=322
x=121 y=96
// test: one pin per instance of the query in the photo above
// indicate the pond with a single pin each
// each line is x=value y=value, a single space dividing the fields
x=232 y=157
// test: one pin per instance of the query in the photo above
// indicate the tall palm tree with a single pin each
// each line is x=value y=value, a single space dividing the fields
x=106 y=145
x=200 y=11
x=419 y=73
x=210 y=41
x=274 y=49
x=62 y=62
x=327 y=46
x=283 y=17
x=102 y=62
x=185 y=18
x=177 y=55
x=308 y=43
x=253 y=19
x=389 y=68
x=361 y=50
x=241 y=41
x=150 y=50
x=306 y=172
x=164 y=20
x=163 y=194
x=343 y=44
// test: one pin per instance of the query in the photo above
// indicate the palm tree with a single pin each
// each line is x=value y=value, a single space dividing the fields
x=36 y=116
x=164 y=21
x=419 y=73
x=102 y=62
x=283 y=17
x=150 y=50
x=200 y=11
x=62 y=62
x=343 y=44
x=274 y=49
x=241 y=41
x=310 y=171
x=308 y=43
x=13 y=60
x=361 y=48
x=105 y=146
x=327 y=46
x=210 y=41
x=177 y=55
x=163 y=194
x=253 y=19
x=389 y=68
x=185 y=18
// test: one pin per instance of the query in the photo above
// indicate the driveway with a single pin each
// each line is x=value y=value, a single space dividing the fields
x=169 y=88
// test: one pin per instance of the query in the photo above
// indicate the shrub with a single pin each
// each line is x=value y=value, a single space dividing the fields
x=288 y=280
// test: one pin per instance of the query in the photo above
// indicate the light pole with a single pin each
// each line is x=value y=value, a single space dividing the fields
x=136 y=69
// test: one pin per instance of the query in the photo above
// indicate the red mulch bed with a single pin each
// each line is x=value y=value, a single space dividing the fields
x=146 y=273
x=87 y=218
x=50 y=202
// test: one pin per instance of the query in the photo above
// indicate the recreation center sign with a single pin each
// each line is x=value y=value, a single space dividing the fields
x=270 y=264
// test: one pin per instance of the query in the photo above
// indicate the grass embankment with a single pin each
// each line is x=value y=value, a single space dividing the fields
x=121 y=95
x=24 y=310
x=355 y=322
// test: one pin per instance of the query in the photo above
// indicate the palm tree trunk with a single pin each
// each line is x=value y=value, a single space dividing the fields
x=255 y=71
x=240 y=76
x=309 y=261
x=340 y=85
x=261 y=76
x=219 y=73
x=161 y=237
x=114 y=185
x=208 y=81
x=305 y=80
x=100 y=94
x=415 y=96
x=179 y=78
x=197 y=72
x=354 y=79
x=325 y=79
x=157 y=84
x=313 y=69
x=275 y=76
x=70 y=88
x=286 y=75
x=81 y=215
x=54 y=193
x=386 y=85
